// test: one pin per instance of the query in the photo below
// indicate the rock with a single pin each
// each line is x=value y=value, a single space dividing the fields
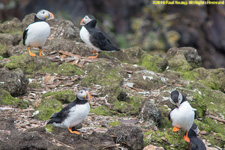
x=64 y=29
x=152 y=147
x=7 y=99
x=146 y=79
x=62 y=96
x=103 y=72
x=42 y=64
x=47 y=108
x=183 y=59
x=13 y=81
x=150 y=114
x=130 y=136
x=13 y=26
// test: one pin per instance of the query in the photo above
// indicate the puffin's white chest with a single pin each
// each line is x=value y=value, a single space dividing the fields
x=183 y=117
x=37 y=34
x=76 y=115
x=85 y=36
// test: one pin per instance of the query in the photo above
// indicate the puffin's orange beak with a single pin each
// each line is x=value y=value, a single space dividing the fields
x=51 y=16
x=89 y=96
x=82 y=22
x=177 y=105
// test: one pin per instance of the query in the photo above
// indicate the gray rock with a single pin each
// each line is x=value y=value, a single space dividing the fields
x=13 y=81
x=129 y=136
x=191 y=55
x=149 y=113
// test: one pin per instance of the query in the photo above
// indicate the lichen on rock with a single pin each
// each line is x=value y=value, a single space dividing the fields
x=47 y=108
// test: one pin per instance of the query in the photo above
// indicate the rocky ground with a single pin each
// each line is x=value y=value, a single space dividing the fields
x=130 y=93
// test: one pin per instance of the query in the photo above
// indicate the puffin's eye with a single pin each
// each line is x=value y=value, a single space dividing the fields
x=81 y=92
x=43 y=12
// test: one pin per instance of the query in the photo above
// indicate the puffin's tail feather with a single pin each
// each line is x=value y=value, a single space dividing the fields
x=110 y=47
x=56 y=120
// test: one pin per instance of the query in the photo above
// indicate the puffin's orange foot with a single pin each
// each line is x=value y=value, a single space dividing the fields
x=94 y=51
x=76 y=132
x=186 y=138
x=175 y=129
x=94 y=56
x=32 y=54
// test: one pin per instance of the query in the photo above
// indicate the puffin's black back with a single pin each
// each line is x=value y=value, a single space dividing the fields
x=62 y=115
x=196 y=143
x=98 y=39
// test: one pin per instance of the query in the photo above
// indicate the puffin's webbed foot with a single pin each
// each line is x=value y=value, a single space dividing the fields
x=186 y=138
x=71 y=131
x=31 y=54
x=175 y=129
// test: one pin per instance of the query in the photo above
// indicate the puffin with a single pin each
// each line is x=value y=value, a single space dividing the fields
x=74 y=113
x=183 y=115
x=93 y=37
x=36 y=34
x=195 y=142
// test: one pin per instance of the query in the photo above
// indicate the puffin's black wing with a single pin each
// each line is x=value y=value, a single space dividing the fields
x=61 y=116
x=169 y=114
x=25 y=35
x=99 y=40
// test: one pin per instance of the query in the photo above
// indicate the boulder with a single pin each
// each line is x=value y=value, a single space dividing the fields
x=183 y=59
x=150 y=114
x=13 y=81
x=128 y=136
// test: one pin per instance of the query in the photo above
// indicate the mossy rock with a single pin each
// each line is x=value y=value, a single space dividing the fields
x=183 y=59
x=130 y=107
x=212 y=78
x=179 y=63
x=115 y=123
x=3 y=51
x=131 y=55
x=66 y=96
x=206 y=98
x=101 y=110
x=41 y=64
x=47 y=108
x=153 y=63
x=7 y=99
x=147 y=80
x=103 y=73
x=215 y=130
x=166 y=138
x=13 y=26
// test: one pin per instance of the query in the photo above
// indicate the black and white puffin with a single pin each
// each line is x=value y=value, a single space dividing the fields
x=36 y=34
x=94 y=37
x=74 y=113
x=195 y=142
x=182 y=116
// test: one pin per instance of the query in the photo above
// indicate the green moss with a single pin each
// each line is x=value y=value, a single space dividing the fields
x=170 y=140
x=66 y=96
x=47 y=108
x=179 y=63
x=150 y=62
x=215 y=130
x=206 y=98
x=49 y=128
x=41 y=64
x=68 y=69
x=102 y=73
x=3 y=50
x=7 y=99
x=114 y=123
x=101 y=110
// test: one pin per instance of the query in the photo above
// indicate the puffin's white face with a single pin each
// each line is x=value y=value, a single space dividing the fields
x=86 y=20
x=83 y=94
x=44 y=14
x=176 y=98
